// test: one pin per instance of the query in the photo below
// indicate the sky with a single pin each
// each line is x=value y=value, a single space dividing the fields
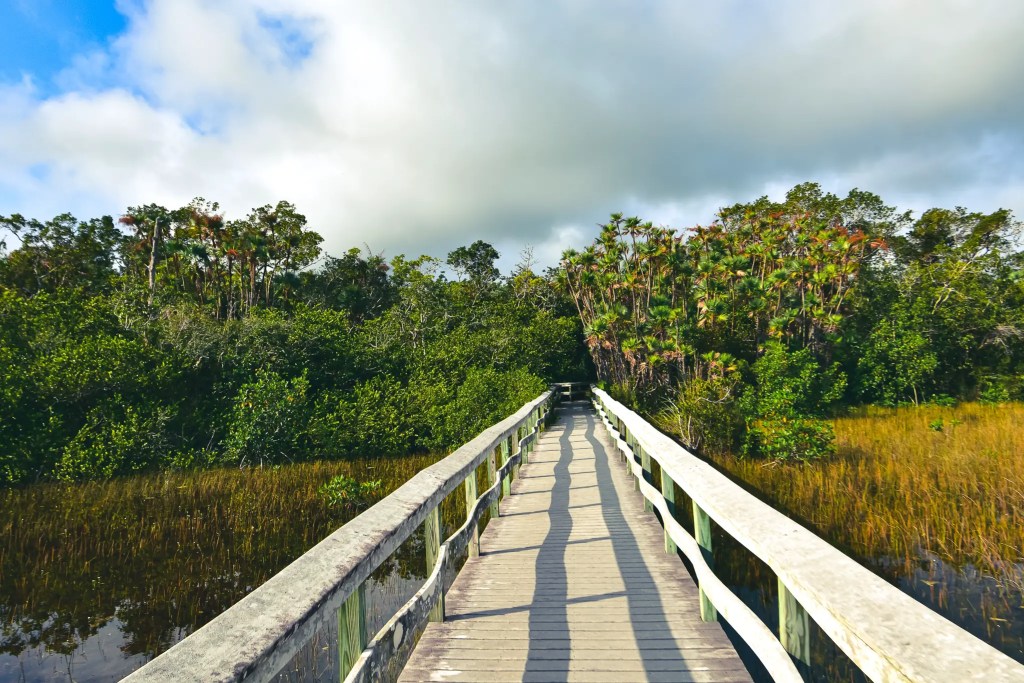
x=413 y=127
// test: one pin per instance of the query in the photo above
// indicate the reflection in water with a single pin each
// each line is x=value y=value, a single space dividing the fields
x=98 y=578
x=991 y=609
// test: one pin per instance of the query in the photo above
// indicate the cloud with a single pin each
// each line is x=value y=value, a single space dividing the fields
x=414 y=127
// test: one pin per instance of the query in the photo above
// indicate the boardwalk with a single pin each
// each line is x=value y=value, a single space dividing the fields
x=573 y=583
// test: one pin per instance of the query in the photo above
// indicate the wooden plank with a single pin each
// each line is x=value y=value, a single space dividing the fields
x=668 y=492
x=506 y=482
x=572 y=582
x=492 y=478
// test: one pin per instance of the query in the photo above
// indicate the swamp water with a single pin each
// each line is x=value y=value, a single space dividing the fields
x=989 y=607
x=98 y=578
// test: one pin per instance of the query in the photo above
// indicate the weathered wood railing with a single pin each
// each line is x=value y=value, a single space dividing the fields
x=259 y=635
x=884 y=631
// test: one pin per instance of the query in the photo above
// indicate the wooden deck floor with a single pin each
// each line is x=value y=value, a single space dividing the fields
x=573 y=583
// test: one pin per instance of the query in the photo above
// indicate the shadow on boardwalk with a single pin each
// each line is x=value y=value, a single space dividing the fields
x=573 y=583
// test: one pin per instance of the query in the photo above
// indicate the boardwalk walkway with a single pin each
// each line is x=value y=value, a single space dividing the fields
x=573 y=583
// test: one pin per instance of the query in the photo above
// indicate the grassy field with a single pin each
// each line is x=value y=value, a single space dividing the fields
x=167 y=552
x=948 y=480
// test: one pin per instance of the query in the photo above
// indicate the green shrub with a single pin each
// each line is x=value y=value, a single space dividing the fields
x=790 y=439
x=486 y=397
x=267 y=421
x=791 y=389
x=998 y=388
x=374 y=420
x=705 y=415
x=898 y=364
x=792 y=384
x=116 y=439
x=344 y=492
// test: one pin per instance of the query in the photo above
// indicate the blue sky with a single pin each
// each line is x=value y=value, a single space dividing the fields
x=41 y=37
x=416 y=127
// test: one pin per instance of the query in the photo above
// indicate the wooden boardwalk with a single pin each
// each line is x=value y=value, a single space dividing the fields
x=573 y=583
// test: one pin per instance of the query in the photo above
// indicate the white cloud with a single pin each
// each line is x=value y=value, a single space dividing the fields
x=415 y=127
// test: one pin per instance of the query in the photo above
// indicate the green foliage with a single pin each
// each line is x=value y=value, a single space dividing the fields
x=789 y=384
x=177 y=338
x=790 y=388
x=117 y=439
x=345 y=492
x=374 y=420
x=705 y=414
x=485 y=397
x=802 y=439
x=267 y=421
x=898 y=363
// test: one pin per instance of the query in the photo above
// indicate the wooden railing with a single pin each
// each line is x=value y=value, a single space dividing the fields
x=884 y=631
x=258 y=636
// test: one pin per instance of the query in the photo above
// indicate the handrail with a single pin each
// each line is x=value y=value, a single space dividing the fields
x=394 y=640
x=750 y=628
x=884 y=631
x=257 y=636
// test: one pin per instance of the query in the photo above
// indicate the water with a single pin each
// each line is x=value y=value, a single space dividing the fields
x=96 y=579
x=989 y=608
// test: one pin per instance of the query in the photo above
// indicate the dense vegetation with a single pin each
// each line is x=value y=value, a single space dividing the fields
x=744 y=334
x=181 y=339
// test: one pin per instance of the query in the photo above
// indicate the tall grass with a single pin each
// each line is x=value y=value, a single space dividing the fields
x=946 y=480
x=164 y=553
x=930 y=497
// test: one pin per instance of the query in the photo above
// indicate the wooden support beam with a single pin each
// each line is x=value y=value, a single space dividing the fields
x=432 y=538
x=506 y=483
x=351 y=630
x=668 y=492
x=794 y=626
x=471 y=495
x=492 y=479
x=702 y=534
x=645 y=464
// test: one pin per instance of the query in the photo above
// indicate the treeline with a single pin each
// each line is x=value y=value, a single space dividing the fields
x=743 y=334
x=177 y=338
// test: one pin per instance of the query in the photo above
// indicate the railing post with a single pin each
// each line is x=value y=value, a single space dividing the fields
x=432 y=538
x=668 y=492
x=492 y=479
x=506 y=483
x=351 y=630
x=624 y=435
x=470 y=489
x=702 y=534
x=645 y=465
x=794 y=626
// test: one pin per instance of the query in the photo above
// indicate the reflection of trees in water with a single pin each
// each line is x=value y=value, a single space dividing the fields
x=163 y=554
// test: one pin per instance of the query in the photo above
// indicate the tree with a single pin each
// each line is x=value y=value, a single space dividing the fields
x=151 y=223
x=61 y=253
x=475 y=262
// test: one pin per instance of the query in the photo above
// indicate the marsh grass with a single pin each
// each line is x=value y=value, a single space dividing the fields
x=944 y=480
x=930 y=497
x=165 y=553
